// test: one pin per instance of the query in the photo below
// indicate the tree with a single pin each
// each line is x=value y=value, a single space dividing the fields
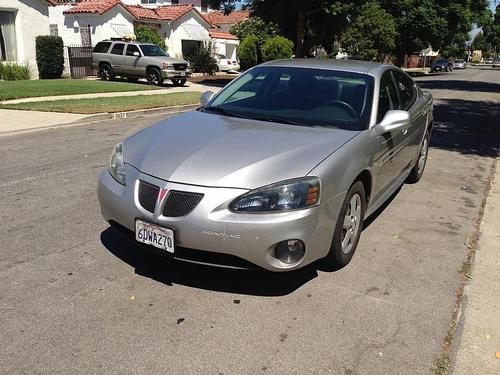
x=255 y=26
x=248 y=51
x=146 y=34
x=277 y=48
x=480 y=43
x=372 y=35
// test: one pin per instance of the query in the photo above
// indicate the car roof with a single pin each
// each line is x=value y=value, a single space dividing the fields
x=355 y=66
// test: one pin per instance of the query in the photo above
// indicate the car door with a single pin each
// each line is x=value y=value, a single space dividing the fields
x=389 y=160
x=131 y=60
x=409 y=101
x=117 y=58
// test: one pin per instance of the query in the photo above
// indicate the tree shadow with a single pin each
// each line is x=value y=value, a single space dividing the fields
x=468 y=127
x=149 y=263
x=457 y=85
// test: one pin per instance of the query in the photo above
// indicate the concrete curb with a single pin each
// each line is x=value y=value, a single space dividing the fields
x=110 y=116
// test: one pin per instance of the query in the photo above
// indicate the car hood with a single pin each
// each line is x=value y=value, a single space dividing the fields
x=212 y=150
x=165 y=59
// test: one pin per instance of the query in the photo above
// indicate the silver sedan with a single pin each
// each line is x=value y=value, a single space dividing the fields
x=277 y=170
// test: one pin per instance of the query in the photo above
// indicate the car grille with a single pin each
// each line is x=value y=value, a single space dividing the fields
x=180 y=203
x=148 y=194
x=180 y=66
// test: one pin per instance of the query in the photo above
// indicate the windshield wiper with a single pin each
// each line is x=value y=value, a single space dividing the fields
x=280 y=120
x=222 y=111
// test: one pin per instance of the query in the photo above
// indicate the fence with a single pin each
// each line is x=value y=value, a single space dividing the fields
x=80 y=61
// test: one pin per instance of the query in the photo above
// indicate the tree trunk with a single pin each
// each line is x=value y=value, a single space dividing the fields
x=301 y=26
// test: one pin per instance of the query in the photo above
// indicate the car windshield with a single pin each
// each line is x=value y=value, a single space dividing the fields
x=459 y=61
x=442 y=62
x=299 y=96
x=152 y=50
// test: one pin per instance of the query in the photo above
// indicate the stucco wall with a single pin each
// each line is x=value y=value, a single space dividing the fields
x=174 y=32
x=32 y=19
x=105 y=26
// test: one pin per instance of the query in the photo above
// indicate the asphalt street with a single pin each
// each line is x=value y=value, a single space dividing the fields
x=76 y=298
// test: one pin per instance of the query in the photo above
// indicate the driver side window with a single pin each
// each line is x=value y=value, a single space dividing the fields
x=388 y=99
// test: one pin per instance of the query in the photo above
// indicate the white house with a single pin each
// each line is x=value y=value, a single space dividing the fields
x=21 y=21
x=184 y=23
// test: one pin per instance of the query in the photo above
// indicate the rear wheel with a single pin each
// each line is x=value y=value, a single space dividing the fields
x=106 y=72
x=154 y=77
x=179 y=82
x=348 y=227
x=418 y=169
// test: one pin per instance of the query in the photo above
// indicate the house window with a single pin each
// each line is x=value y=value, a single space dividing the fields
x=174 y=2
x=204 y=5
x=8 y=45
x=86 y=35
x=148 y=1
x=53 y=29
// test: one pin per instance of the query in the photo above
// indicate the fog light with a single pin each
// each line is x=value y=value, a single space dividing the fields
x=290 y=251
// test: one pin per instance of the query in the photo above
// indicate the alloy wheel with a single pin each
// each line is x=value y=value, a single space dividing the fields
x=352 y=221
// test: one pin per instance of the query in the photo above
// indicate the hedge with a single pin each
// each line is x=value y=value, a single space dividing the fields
x=248 y=52
x=277 y=48
x=49 y=56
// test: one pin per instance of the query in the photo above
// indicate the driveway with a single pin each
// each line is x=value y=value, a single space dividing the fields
x=77 y=298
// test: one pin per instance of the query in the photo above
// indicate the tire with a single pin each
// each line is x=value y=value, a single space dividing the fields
x=106 y=72
x=418 y=169
x=132 y=79
x=179 y=82
x=350 y=220
x=154 y=77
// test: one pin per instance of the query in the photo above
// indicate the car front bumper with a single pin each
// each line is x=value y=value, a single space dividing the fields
x=176 y=74
x=212 y=228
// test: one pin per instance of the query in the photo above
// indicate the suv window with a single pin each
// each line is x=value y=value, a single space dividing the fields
x=131 y=48
x=102 y=47
x=406 y=90
x=388 y=99
x=118 y=49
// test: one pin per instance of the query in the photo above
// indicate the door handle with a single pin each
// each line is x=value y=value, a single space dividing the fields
x=404 y=131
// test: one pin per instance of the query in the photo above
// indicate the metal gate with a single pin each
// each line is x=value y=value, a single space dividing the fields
x=80 y=61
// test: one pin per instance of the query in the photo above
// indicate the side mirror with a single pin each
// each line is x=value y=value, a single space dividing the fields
x=205 y=98
x=394 y=120
x=137 y=54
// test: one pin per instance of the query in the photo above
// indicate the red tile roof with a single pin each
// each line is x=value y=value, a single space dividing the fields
x=142 y=13
x=216 y=34
x=219 y=18
x=93 y=6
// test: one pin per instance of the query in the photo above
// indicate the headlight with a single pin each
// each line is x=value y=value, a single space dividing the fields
x=116 y=165
x=283 y=196
x=168 y=66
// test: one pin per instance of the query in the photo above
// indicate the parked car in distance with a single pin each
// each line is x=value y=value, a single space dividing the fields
x=135 y=60
x=459 y=64
x=488 y=61
x=441 y=65
x=225 y=65
x=279 y=169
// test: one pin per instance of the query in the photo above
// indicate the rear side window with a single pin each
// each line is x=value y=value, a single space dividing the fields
x=117 y=49
x=102 y=47
x=406 y=89
x=131 y=48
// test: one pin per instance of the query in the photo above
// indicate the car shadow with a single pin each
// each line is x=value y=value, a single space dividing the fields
x=171 y=272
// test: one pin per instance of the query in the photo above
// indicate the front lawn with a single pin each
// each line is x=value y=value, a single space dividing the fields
x=110 y=105
x=56 y=87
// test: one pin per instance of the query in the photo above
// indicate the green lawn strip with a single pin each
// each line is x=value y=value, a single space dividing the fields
x=112 y=104
x=56 y=87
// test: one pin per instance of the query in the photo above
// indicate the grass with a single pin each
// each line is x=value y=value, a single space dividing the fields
x=56 y=87
x=110 y=105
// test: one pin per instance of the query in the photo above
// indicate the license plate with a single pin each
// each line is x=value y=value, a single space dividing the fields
x=152 y=234
x=183 y=74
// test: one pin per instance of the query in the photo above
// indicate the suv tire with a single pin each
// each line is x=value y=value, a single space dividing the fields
x=154 y=77
x=178 y=82
x=106 y=72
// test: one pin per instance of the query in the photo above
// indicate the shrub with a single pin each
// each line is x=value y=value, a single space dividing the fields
x=14 y=72
x=146 y=34
x=248 y=52
x=276 y=48
x=49 y=56
x=202 y=60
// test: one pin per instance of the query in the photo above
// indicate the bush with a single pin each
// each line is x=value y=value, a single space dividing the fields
x=15 y=72
x=277 y=48
x=248 y=52
x=202 y=60
x=49 y=56
x=146 y=34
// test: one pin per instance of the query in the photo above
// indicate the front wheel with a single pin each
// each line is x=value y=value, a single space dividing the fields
x=154 y=77
x=179 y=82
x=418 y=169
x=348 y=227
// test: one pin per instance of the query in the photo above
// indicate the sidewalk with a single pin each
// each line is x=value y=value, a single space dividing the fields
x=13 y=120
x=478 y=327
